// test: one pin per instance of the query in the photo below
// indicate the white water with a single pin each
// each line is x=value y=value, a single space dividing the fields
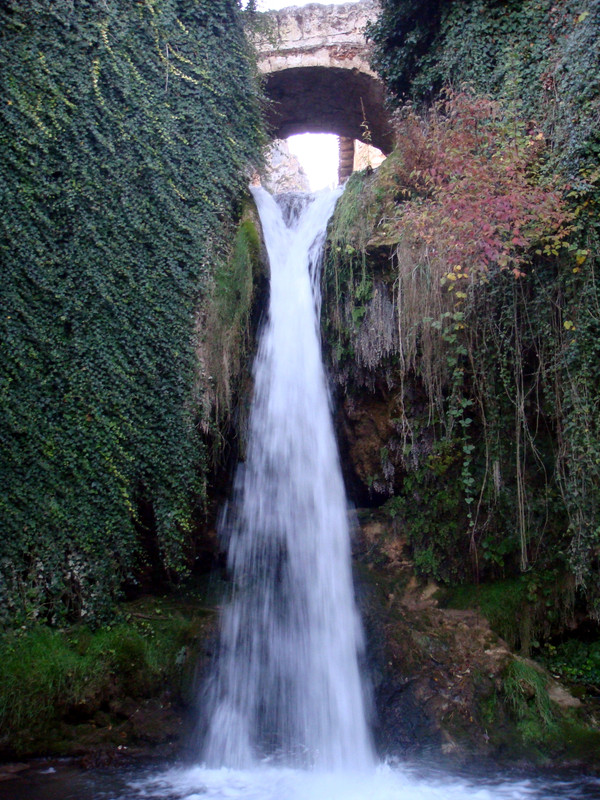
x=288 y=684
x=380 y=783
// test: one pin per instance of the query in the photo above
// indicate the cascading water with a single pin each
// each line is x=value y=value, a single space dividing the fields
x=287 y=683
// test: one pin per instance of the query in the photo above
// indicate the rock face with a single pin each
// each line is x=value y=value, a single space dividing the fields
x=440 y=676
x=423 y=659
x=366 y=156
x=316 y=63
x=284 y=172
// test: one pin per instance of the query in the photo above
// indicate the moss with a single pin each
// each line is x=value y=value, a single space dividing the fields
x=522 y=610
x=229 y=318
x=350 y=222
x=580 y=741
x=500 y=602
x=250 y=233
x=52 y=677
x=234 y=281
x=489 y=710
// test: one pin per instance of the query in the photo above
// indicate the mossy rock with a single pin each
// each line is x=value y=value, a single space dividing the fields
x=70 y=691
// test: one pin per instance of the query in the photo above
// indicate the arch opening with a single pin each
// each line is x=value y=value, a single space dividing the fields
x=313 y=161
x=328 y=99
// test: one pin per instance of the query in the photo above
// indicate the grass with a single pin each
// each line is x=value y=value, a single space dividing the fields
x=526 y=693
x=48 y=674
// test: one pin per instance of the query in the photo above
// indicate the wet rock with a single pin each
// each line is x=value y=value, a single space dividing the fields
x=441 y=676
x=100 y=758
x=123 y=707
x=155 y=721
x=8 y=771
x=561 y=696
x=433 y=669
x=403 y=725
x=102 y=719
x=86 y=707
x=439 y=669
x=367 y=429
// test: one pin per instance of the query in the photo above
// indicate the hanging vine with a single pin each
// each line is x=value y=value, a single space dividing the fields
x=126 y=134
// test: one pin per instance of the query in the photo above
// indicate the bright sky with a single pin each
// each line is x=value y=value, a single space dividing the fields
x=317 y=152
x=319 y=155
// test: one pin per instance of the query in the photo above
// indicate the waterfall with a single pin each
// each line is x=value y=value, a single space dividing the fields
x=287 y=682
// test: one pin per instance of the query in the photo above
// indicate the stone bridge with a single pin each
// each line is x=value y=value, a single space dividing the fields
x=316 y=65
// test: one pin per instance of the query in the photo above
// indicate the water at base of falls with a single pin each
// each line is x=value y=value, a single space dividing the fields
x=287 y=683
x=409 y=782
x=381 y=783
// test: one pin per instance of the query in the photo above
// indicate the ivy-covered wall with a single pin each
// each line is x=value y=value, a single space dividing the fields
x=541 y=57
x=126 y=135
x=462 y=303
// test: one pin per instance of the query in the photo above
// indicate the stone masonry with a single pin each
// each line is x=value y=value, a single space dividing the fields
x=315 y=60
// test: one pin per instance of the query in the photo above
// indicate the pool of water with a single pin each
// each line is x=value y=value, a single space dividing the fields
x=407 y=782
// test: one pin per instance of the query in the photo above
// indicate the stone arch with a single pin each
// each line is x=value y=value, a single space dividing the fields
x=315 y=62
x=327 y=99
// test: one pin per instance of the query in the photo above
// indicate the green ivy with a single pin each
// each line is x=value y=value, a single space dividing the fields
x=542 y=59
x=402 y=36
x=126 y=134
x=574 y=661
x=431 y=512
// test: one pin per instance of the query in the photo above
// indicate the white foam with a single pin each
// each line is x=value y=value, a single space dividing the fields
x=380 y=783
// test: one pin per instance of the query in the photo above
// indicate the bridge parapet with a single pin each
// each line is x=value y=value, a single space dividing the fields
x=317 y=35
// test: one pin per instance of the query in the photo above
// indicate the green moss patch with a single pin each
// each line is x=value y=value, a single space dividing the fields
x=97 y=678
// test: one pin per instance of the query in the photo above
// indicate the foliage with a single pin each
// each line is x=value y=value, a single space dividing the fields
x=48 y=674
x=539 y=57
x=574 y=661
x=431 y=512
x=579 y=451
x=402 y=35
x=493 y=290
x=489 y=209
x=478 y=201
x=125 y=136
x=525 y=690
x=462 y=196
